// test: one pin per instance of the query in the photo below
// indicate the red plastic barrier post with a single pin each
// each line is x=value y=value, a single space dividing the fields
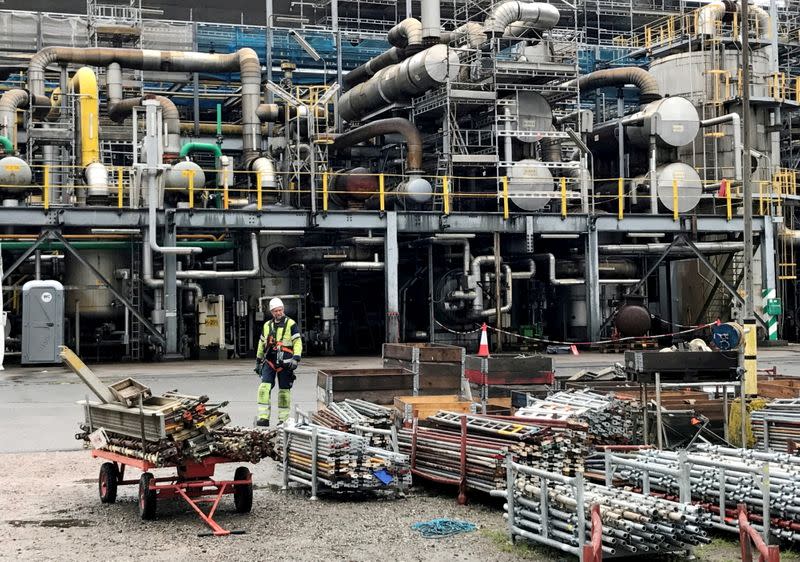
x=593 y=552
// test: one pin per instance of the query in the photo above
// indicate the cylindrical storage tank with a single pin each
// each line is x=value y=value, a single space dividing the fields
x=690 y=186
x=673 y=121
x=524 y=179
x=575 y=313
x=96 y=301
x=532 y=113
x=14 y=172
x=690 y=75
x=354 y=186
x=176 y=179
x=416 y=189
x=632 y=320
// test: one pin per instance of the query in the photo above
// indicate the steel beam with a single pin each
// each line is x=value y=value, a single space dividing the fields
x=170 y=293
x=26 y=254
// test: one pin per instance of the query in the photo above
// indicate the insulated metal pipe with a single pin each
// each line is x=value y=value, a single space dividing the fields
x=471 y=31
x=119 y=109
x=407 y=33
x=619 y=77
x=245 y=61
x=397 y=82
x=659 y=248
x=396 y=125
x=372 y=66
x=735 y=120
x=431 y=19
x=238 y=274
x=709 y=17
x=536 y=15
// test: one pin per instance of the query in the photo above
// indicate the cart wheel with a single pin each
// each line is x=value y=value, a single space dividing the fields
x=107 y=482
x=243 y=493
x=147 y=497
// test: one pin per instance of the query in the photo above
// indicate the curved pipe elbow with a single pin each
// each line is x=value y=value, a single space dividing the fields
x=407 y=33
x=619 y=77
x=537 y=15
x=396 y=125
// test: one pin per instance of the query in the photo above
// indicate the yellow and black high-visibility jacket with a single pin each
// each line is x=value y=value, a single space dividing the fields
x=284 y=333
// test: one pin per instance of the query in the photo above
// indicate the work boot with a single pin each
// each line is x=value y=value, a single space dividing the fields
x=262 y=423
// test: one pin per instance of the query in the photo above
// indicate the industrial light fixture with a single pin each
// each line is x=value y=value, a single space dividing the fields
x=305 y=45
x=566 y=236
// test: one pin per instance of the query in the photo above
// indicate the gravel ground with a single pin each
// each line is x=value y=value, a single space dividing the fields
x=52 y=512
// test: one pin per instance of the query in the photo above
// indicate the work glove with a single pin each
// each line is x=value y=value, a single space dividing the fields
x=293 y=363
x=258 y=367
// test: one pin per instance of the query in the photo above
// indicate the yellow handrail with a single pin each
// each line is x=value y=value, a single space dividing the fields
x=381 y=191
x=621 y=198
x=505 y=197
x=446 y=195
x=674 y=199
x=46 y=187
x=728 y=200
x=120 y=200
x=259 y=199
x=563 y=198
x=325 y=192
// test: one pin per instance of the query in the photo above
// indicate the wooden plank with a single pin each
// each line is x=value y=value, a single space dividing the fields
x=365 y=379
x=402 y=352
x=775 y=389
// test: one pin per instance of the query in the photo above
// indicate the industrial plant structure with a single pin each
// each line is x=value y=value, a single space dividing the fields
x=396 y=171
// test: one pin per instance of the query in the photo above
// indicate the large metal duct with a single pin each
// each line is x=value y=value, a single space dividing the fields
x=710 y=16
x=406 y=34
x=398 y=82
x=372 y=66
x=119 y=109
x=245 y=61
x=619 y=77
x=393 y=125
x=536 y=15
x=471 y=31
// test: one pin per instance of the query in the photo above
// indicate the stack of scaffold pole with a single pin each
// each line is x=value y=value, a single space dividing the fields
x=608 y=420
x=718 y=479
x=556 y=510
x=470 y=450
x=364 y=418
x=777 y=426
x=335 y=461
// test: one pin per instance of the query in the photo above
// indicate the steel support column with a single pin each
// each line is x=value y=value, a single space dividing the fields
x=390 y=274
x=592 y=284
x=170 y=289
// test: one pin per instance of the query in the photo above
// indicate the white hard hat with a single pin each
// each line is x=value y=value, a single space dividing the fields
x=275 y=303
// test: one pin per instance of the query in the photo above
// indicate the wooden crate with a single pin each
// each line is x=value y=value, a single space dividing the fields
x=425 y=406
x=779 y=387
x=374 y=385
x=439 y=368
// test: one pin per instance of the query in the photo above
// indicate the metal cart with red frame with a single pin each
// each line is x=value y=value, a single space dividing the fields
x=194 y=483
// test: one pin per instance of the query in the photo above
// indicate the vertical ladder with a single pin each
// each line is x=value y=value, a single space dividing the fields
x=135 y=296
x=241 y=339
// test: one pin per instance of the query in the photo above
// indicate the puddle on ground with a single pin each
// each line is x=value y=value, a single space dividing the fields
x=56 y=523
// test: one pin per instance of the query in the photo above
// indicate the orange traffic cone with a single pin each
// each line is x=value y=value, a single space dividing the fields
x=483 y=348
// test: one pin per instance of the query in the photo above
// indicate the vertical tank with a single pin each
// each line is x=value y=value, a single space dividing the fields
x=96 y=301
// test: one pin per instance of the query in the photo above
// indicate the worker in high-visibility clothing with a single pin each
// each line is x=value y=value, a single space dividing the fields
x=280 y=349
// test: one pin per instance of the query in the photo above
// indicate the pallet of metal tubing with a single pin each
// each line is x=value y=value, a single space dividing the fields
x=344 y=461
x=777 y=427
x=747 y=477
x=556 y=511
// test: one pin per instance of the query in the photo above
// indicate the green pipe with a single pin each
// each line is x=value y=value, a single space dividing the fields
x=19 y=245
x=188 y=148
x=8 y=146
x=219 y=119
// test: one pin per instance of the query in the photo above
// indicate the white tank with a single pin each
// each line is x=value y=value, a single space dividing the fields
x=418 y=190
x=14 y=171
x=690 y=186
x=532 y=113
x=673 y=121
x=96 y=301
x=177 y=177
x=526 y=177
